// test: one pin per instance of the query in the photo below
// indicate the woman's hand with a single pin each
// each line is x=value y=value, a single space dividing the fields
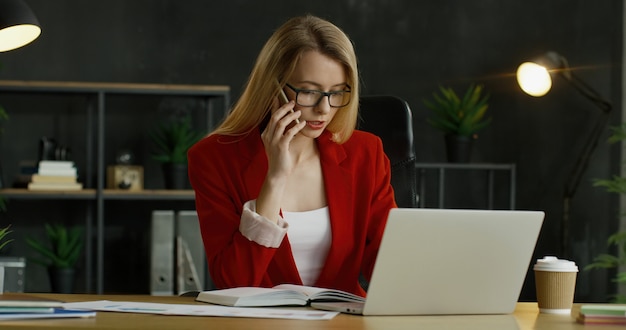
x=277 y=136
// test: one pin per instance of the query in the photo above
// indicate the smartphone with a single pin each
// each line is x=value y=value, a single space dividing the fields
x=282 y=97
x=284 y=100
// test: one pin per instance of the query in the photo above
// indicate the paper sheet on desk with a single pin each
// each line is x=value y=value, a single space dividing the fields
x=199 y=310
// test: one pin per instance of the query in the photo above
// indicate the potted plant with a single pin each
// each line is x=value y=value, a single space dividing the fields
x=172 y=140
x=60 y=256
x=459 y=118
x=617 y=261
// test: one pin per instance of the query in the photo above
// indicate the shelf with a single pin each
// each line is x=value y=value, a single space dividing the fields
x=108 y=194
x=159 y=194
x=120 y=88
x=466 y=166
x=440 y=171
x=86 y=194
x=95 y=111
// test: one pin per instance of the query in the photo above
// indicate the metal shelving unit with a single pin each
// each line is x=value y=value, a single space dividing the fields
x=217 y=102
x=441 y=169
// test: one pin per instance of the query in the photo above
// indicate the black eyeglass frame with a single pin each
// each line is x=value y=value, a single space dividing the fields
x=322 y=95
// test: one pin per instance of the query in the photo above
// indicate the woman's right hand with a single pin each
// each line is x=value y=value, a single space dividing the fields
x=277 y=136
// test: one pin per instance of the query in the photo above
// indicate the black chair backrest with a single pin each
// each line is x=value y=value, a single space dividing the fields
x=391 y=119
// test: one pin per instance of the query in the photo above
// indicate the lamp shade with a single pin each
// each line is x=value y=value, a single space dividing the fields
x=18 y=25
x=534 y=77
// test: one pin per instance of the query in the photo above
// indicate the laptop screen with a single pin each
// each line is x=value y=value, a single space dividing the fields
x=439 y=261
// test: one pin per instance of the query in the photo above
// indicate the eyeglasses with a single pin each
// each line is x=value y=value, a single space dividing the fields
x=311 y=98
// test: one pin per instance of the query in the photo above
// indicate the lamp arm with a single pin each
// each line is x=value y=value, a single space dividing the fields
x=594 y=136
x=587 y=91
x=573 y=181
x=583 y=159
x=571 y=185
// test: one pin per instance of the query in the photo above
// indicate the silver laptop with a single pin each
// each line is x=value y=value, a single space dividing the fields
x=441 y=261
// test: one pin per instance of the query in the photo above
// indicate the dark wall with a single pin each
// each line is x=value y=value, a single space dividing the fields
x=406 y=48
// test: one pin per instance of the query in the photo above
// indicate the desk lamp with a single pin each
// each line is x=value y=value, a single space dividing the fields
x=18 y=25
x=535 y=78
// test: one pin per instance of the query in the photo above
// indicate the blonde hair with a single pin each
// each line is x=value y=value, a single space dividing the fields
x=277 y=61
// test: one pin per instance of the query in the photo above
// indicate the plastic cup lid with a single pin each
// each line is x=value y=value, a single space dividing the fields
x=555 y=264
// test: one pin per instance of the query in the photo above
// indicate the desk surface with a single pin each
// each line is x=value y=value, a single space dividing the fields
x=526 y=316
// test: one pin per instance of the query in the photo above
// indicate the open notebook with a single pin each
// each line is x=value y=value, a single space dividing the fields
x=438 y=261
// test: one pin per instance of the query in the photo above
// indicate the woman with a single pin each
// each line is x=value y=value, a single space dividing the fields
x=292 y=193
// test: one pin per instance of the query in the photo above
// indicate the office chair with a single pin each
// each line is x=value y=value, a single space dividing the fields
x=390 y=118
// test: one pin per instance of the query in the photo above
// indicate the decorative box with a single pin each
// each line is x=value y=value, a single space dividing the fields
x=125 y=177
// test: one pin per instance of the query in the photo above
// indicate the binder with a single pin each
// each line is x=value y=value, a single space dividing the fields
x=13 y=277
x=192 y=272
x=162 y=253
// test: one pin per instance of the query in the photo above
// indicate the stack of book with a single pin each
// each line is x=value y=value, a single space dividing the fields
x=602 y=314
x=21 y=306
x=55 y=175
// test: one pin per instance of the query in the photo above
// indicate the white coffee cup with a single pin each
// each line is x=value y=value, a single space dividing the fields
x=555 y=282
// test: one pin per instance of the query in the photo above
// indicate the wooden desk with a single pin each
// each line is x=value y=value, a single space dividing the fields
x=526 y=316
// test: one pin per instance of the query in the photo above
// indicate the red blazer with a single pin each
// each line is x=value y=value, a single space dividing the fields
x=226 y=172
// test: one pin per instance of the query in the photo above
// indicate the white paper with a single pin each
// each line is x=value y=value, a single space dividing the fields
x=200 y=310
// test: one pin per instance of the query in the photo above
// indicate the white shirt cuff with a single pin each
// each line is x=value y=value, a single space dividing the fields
x=260 y=229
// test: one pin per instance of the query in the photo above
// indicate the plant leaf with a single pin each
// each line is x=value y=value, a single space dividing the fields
x=603 y=261
x=3 y=233
x=620 y=278
x=172 y=140
x=65 y=246
x=618 y=133
x=459 y=116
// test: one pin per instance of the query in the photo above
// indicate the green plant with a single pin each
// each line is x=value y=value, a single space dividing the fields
x=616 y=184
x=66 y=244
x=459 y=116
x=4 y=232
x=173 y=139
x=609 y=261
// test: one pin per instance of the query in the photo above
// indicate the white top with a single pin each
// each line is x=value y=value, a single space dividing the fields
x=309 y=234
